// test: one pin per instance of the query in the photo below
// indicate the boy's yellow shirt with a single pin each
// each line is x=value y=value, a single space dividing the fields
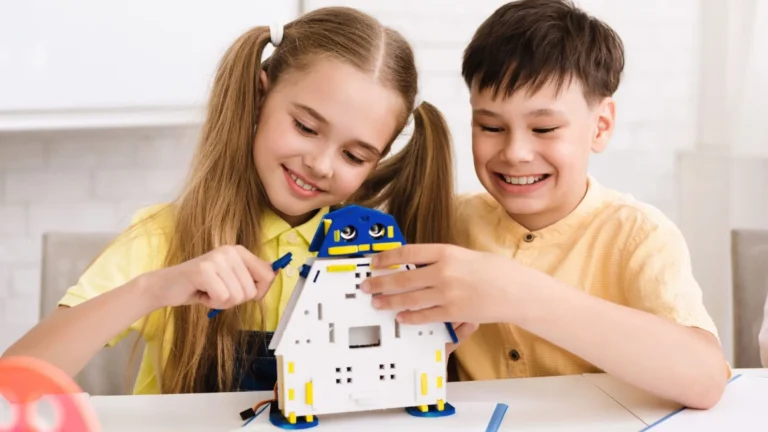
x=144 y=250
x=611 y=246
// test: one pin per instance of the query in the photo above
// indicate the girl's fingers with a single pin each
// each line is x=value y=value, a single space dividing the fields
x=213 y=285
x=243 y=276
x=260 y=271
x=232 y=283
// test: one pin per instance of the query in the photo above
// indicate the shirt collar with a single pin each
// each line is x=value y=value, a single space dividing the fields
x=274 y=225
x=591 y=201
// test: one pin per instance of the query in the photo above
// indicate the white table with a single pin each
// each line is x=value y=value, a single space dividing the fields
x=592 y=402
x=569 y=403
x=742 y=407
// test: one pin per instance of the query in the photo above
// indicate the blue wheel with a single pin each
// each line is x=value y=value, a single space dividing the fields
x=432 y=411
x=277 y=419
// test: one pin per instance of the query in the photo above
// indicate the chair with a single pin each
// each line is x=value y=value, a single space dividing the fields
x=65 y=258
x=749 y=252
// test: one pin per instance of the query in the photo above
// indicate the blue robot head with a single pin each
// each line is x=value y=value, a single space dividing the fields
x=353 y=231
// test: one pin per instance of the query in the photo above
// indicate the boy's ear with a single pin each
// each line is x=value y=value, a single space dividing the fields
x=606 y=119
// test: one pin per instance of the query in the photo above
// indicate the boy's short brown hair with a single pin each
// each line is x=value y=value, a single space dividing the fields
x=528 y=43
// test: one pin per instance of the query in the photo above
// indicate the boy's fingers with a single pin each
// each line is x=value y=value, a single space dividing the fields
x=408 y=254
x=400 y=281
x=422 y=316
x=413 y=300
x=463 y=330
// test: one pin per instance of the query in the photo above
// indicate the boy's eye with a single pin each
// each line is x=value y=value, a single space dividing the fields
x=544 y=130
x=303 y=128
x=352 y=158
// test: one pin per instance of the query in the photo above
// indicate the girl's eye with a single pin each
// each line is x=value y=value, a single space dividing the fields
x=490 y=129
x=352 y=158
x=303 y=128
x=544 y=130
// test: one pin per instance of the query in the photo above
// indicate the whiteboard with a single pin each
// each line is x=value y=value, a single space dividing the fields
x=124 y=55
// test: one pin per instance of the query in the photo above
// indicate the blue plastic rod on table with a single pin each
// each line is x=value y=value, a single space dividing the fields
x=280 y=263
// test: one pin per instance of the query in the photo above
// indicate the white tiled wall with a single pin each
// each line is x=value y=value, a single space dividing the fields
x=74 y=181
x=93 y=180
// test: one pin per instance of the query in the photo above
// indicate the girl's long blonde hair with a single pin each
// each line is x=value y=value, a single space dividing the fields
x=223 y=200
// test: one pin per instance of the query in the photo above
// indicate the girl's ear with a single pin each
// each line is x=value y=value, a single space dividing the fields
x=264 y=86
x=263 y=79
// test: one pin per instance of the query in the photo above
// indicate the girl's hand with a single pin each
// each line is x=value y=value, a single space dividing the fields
x=221 y=279
x=454 y=285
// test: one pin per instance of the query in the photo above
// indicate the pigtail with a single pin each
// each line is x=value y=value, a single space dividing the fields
x=237 y=90
x=233 y=111
x=206 y=218
x=416 y=184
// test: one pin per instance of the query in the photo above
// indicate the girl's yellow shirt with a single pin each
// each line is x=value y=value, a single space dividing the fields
x=144 y=249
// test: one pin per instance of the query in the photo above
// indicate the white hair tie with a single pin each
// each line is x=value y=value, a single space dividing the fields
x=276 y=34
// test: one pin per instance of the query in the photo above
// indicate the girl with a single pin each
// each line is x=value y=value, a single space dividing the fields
x=283 y=141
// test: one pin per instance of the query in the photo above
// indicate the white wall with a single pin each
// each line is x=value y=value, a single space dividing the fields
x=92 y=180
x=74 y=181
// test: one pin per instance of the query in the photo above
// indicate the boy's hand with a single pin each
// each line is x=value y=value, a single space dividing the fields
x=463 y=331
x=455 y=285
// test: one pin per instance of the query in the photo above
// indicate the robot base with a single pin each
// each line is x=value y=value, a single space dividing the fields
x=278 y=419
x=432 y=411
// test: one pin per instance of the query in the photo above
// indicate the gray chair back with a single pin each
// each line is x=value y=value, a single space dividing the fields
x=65 y=258
x=749 y=252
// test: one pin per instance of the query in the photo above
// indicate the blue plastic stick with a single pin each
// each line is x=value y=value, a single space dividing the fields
x=498 y=416
x=280 y=263
x=452 y=332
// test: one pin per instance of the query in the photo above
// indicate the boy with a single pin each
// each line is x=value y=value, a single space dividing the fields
x=564 y=275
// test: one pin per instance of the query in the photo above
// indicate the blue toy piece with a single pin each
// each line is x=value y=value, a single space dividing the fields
x=448 y=409
x=277 y=419
x=353 y=231
x=452 y=332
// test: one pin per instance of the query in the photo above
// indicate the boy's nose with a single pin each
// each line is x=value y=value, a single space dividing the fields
x=518 y=150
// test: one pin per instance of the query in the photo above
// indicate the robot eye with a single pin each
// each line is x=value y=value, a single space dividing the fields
x=376 y=231
x=349 y=233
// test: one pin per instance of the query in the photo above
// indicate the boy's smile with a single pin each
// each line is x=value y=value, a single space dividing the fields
x=522 y=184
x=531 y=149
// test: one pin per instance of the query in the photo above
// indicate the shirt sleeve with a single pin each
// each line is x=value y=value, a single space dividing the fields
x=660 y=278
x=132 y=253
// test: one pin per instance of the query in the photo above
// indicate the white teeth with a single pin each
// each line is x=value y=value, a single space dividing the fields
x=301 y=183
x=523 y=180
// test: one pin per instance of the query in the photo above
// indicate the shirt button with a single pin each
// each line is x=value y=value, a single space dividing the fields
x=292 y=238
x=514 y=355
x=529 y=237
x=290 y=271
